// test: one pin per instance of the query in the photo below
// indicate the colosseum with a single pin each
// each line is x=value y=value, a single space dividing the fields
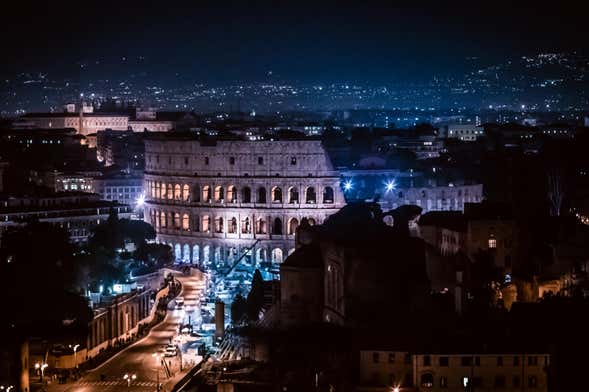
x=215 y=201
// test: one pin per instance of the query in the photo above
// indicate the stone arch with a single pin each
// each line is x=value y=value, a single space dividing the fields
x=186 y=253
x=219 y=224
x=177 y=192
x=185 y=222
x=219 y=193
x=231 y=194
x=177 y=223
x=276 y=195
x=277 y=256
x=163 y=222
x=291 y=251
x=246 y=226
x=206 y=224
x=310 y=195
x=293 y=195
x=261 y=226
x=195 y=254
x=195 y=194
x=206 y=193
x=277 y=226
x=246 y=195
x=232 y=225
x=261 y=195
x=311 y=221
x=185 y=192
x=217 y=255
x=293 y=223
x=206 y=254
x=170 y=192
x=328 y=195
x=177 y=252
x=261 y=255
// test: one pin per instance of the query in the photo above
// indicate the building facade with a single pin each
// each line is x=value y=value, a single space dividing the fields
x=386 y=370
x=218 y=200
x=76 y=212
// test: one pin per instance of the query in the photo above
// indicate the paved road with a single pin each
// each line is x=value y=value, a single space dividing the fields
x=137 y=359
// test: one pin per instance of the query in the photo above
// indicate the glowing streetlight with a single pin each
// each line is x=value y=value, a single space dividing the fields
x=347 y=185
x=129 y=378
x=140 y=200
x=75 y=348
x=41 y=368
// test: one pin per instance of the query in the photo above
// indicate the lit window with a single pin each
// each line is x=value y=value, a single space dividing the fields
x=492 y=243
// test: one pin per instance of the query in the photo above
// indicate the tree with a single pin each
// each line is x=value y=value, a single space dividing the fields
x=37 y=267
x=255 y=298
x=238 y=309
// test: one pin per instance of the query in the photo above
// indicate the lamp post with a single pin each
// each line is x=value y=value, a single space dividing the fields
x=158 y=363
x=41 y=367
x=129 y=378
x=75 y=348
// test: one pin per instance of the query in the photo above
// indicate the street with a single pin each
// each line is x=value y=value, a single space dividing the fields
x=137 y=361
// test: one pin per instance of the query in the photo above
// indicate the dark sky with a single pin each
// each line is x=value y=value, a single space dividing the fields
x=307 y=41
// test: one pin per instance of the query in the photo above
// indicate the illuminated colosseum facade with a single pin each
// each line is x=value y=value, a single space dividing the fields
x=215 y=201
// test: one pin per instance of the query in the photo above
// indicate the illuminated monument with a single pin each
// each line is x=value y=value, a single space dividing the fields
x=215 y=201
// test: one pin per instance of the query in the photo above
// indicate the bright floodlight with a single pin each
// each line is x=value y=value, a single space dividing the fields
x=348 y=185
x=390 y=185
x=140 y=200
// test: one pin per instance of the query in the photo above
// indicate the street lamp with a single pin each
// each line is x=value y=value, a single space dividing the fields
x=129 y=378
x=75 y=348
x=158 y=362
x=41 y=367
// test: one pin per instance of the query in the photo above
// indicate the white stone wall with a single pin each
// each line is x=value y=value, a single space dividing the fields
x=197 y=196
x=439 y=198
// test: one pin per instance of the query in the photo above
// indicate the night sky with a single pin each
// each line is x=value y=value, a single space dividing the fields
x=218 y=41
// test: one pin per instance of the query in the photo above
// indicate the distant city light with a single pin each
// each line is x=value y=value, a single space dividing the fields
x=348 y=185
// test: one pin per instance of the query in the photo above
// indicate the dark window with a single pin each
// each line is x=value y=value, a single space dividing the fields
x=277 y=228
x=246 y=196
x=466 y=361
x=375 y=356
x=532 y=361
x=516 y=382
x=508 y=261
x=186 y=161
x=206 y=160
x=328 y=195
x=260 y=160
x=231 y=160
x=443 y=382
x=444 y=361
x=262 y=195
x=391 y=357
x=515 y=361
x=427 y=360
x=499 y=381
x=477 y=361
x=499 y=361
x=293 y=160
x=532 y=382
x=407 y=359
